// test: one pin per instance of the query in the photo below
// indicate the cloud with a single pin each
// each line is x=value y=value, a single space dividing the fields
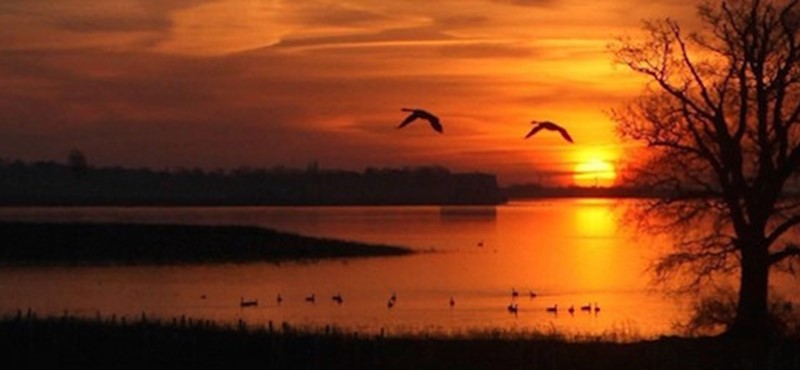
x=390 y=37
x=338 y=14
x=530 y=3
x=114 y=24
x=463 y=21
x=76 y=24
x=488 y=50
x=228 y=84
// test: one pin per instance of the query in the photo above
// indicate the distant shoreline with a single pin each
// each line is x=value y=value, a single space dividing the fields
x=40 y=243
x=55 y=184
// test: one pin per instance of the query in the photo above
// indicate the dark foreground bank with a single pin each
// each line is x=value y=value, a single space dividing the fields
x=90 y=243
x=55 y=343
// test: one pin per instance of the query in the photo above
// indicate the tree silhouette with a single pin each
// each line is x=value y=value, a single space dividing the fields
x=719 y=121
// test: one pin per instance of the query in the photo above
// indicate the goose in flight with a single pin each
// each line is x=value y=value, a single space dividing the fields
x=422 y=114
x=548 y=125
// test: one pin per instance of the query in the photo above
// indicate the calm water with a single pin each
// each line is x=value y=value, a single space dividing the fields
x=570 y=252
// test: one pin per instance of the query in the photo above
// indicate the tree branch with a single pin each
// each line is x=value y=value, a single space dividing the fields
x=787 y=252
x=676 y=33
x=782 y=228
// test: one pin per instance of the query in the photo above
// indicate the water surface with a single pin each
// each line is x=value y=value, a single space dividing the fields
x=570 y=252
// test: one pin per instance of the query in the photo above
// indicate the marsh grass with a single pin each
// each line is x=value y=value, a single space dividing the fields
x=713 y=313
x=111 y=342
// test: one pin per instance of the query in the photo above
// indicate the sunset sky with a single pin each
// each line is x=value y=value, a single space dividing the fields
x=225 y=84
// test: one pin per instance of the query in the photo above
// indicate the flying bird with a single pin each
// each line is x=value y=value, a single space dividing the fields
x=547 y=125
x=421 y=114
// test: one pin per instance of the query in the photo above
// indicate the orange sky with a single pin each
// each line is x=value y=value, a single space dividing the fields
x=222 y=84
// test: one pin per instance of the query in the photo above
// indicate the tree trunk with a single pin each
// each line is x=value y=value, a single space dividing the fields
x=752 y=316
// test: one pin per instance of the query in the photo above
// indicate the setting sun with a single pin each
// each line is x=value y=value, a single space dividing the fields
x=594 y=172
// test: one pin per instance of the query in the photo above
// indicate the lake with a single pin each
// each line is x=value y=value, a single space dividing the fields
x=570 y=252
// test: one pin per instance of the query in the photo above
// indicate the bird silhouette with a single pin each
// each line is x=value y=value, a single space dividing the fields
x=312 y=298
x=452 y=302
x=548 y=125
x=513 y=308
x=338 y=298
x=587 y=308
x=247 y=303
x=553 y=309
x=421 y=114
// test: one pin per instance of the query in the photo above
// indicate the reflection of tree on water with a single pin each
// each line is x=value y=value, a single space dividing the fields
x=722 y=134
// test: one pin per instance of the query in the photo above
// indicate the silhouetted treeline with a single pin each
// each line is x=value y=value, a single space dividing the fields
x=51 y=183
x=539 y=191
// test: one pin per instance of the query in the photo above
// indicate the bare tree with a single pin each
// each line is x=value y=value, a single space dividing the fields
x=719 y=121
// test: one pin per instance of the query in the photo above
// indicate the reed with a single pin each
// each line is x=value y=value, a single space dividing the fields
x=28 y=341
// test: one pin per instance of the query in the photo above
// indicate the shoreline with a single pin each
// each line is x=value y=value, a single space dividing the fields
x=85 y=243
x=136 y=343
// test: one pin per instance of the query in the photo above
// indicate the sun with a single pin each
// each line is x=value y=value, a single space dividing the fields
x=594 y=172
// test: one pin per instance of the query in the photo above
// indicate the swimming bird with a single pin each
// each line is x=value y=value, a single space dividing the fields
x=571 y=310
x=393 y=298
x=532 y=294
x=279 y=299
x=390 y=304
x=587 y=308
x=312 y=298
x=553 y=309
x=243 y=303
x=338 y=298
x=452 y=302
x=514 y=293
x=421 y=114
x=548 y=125
x=513 y=308
x=596 y=308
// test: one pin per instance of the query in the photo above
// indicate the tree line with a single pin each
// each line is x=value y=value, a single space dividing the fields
x=77 y=183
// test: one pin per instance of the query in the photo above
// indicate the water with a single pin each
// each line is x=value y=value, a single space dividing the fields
x=570 y=252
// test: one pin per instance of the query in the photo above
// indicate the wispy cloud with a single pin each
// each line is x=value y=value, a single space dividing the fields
x=239 y=82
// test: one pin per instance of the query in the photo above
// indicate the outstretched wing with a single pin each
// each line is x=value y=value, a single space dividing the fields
x=565 y=134
x=411 y=117
x=434 y=121
x=535 y=129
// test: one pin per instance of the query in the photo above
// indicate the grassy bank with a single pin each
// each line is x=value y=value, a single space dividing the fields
x=68 y=342
x=95 y=243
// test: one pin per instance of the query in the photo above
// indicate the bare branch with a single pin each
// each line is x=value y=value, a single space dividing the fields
x=676 y=32
x=720 y=122
x=787 y=252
